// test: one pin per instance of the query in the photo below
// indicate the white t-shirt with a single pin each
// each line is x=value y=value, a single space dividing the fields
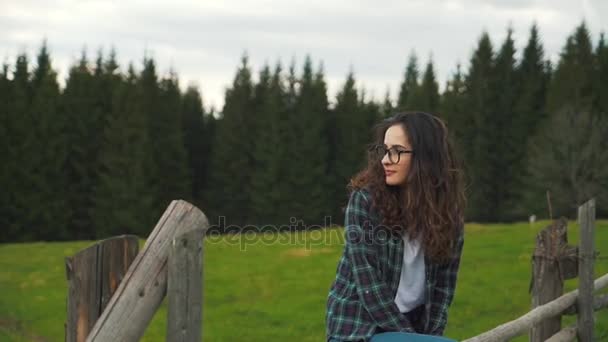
x=410 y=293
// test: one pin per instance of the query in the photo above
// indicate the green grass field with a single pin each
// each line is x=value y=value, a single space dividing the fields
x=276 y=290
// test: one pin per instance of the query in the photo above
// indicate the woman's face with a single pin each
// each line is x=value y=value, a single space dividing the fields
x=396 y=141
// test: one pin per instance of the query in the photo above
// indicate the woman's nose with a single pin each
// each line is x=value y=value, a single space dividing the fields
x=385 y=160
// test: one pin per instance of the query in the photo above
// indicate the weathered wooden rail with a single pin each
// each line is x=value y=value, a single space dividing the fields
x=554 y=261
x=115 y=291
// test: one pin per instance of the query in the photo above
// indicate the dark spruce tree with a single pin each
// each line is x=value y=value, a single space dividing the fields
x=48 y=211
x=309 y=200
x=505 y=157
x=196 y=142
x=20 y=124
x=170 y=154
x=123 y=197
x=601 y=75
x=572 y=83
x=387 y=109
x=529 y=114
x=566 y=157
x=349 y=140
x=271 y=153
x=409 y=85
x=453 y=109
x=210 y=124
x=84 y=134
x=232 y=155
x=6 y=159
x=260 y=214
x=426 y=96
x=150 y=102
x=478 y=133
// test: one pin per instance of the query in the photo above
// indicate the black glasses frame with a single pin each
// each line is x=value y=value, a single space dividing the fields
x=393 y=153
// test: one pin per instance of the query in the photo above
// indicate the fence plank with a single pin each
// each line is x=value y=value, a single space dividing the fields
x=586 y=260
x=139 y=295
x=599 y=302
x=565 y=335
x=547 y=276
x=521 y=325
x=93 y=275
x=185 y=288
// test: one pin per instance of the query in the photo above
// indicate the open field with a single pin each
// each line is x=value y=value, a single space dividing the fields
x=275 y=288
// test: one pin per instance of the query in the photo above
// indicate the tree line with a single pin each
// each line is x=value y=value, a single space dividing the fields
x=105 y=154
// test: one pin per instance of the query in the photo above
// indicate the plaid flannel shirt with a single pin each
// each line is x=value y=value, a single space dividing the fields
x=362 y=296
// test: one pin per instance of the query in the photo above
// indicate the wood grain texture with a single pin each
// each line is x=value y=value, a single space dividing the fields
x=585 y=320
x=139 y=295
x=565 y=335
x=547 y=276
x=185 y=288
x=93 y=276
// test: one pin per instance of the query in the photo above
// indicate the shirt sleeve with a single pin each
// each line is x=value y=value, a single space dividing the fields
x=373 y=291
x=444 y=289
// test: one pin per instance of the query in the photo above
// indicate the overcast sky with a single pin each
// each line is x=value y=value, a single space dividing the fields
x=204 y=40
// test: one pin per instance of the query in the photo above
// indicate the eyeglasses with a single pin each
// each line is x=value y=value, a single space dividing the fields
x=394 y=153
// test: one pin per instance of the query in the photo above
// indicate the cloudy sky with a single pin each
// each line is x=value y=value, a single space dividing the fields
x=203 y=40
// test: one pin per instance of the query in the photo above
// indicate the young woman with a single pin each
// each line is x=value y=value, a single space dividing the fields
x=403 y=235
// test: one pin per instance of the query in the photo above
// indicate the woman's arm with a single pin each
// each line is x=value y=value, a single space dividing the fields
x=444 y=289
x=375 y=294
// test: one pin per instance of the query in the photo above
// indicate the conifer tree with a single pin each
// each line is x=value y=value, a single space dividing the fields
x=571 y=118
x=572 y=83
x=150 y=104
x=84 y=129
x=310 y=201
x=453 y=110
x=6 y=216
x=349 y=139
x=387 y=109
x=409 y=85
x=505 y=158
x=196 y=141
x=46 y=207
x=20 y=124
x=123 y=197
x=232 y=152
x=271 y=152
x=601 y=87
x=373 y=114
x=529 y=114
x=426 y=96
x=170 y=154
x=478 y=133
x=210 y=123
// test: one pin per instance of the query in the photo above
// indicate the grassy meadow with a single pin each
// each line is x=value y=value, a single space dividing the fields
x=274 y=287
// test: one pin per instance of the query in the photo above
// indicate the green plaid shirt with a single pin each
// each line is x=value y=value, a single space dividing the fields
x=362 y=296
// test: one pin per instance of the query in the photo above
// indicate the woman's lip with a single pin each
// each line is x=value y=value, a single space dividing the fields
x=388 y=173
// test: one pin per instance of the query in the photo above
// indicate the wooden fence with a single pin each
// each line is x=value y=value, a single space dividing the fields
x=553 y=262
x=114 y=291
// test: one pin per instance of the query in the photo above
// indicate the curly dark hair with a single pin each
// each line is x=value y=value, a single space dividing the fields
x=431 y=204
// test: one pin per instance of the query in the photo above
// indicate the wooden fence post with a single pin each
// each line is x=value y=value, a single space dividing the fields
x=553 y=261
x=140 y=293
x=586 y=261
x=185 y=288
x=93 y=275
x=523 y=324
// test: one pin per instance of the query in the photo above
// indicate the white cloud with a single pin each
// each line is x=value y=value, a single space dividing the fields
x=204 y=40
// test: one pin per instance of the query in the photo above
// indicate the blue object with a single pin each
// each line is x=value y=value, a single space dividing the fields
x=407 y=337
